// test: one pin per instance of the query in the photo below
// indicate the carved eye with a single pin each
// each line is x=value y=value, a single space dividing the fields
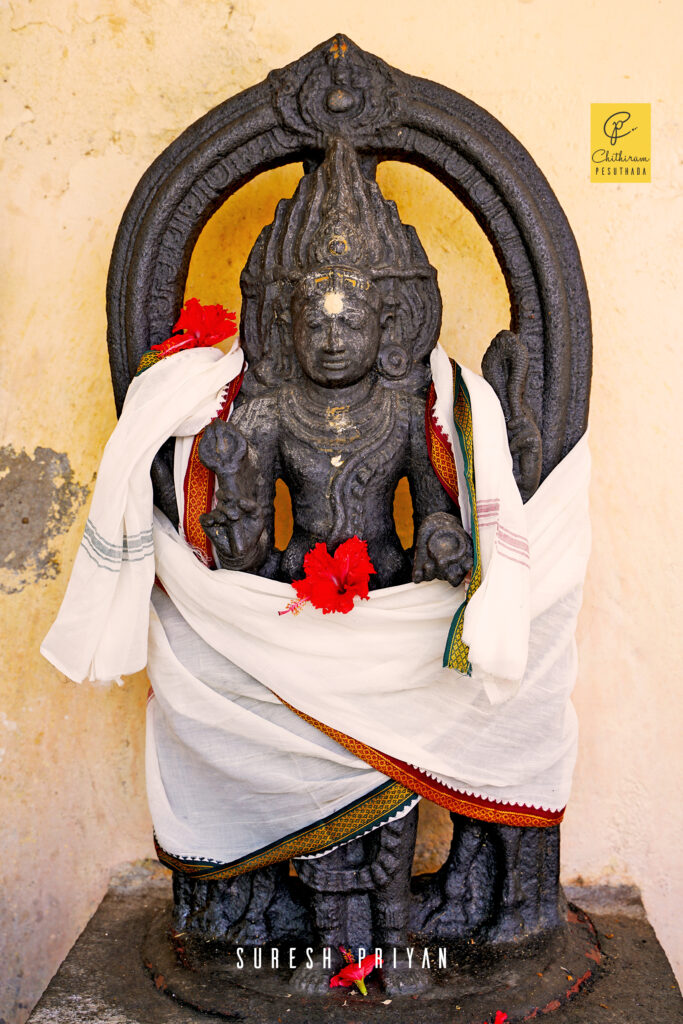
x=355 y=320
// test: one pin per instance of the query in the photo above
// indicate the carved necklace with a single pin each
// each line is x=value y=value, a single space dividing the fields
x=336 y=429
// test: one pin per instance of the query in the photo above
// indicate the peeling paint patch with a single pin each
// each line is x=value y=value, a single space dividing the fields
x=7 y=723
x=39 y=499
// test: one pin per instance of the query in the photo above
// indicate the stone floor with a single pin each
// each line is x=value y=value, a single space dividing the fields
x=103 y=981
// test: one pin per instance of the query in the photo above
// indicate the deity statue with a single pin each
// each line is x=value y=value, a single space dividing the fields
x=338 y=334
x=463 y=655
x=349 y=314
x=341 y=313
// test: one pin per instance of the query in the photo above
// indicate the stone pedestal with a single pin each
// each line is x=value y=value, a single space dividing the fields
x=103 y=979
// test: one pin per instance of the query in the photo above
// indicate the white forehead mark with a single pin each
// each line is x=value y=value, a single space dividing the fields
x=337 y=460
x=333 y=303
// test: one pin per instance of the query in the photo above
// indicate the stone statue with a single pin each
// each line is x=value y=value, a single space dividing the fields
x=348 y=313
x=339 y=406
x=339 y=415
x=340 y=314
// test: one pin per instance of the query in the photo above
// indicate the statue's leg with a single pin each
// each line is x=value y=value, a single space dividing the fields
x=232 y=910
x=340 y=909
x=529 y=897
x=390 y=901
x=377 y=866
x=455 y=901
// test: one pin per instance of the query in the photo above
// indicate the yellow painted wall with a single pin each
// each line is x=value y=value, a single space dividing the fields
x=92 y=91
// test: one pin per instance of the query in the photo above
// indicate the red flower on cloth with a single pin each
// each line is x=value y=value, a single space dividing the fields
x=333 y=581
x=200 y=327
x=500 y=1017
x=355 y=973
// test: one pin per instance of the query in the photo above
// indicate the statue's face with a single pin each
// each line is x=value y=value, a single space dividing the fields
x=336 y=329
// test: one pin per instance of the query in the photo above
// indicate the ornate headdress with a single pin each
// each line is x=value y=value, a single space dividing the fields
x=338 y=221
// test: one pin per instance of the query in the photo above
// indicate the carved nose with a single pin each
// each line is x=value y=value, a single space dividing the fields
x=334 y=341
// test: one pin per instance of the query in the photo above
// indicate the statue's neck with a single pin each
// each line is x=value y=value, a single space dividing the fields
x=350 y=396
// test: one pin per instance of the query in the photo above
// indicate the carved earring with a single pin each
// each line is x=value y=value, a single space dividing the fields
x=392 y=361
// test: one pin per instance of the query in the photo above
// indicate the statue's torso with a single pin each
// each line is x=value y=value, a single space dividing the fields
x=341 y=464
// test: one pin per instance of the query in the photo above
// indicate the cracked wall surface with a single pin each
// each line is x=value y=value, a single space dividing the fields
x=90 y=92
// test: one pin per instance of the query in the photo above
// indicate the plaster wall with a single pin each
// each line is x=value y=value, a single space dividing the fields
x=92 y=91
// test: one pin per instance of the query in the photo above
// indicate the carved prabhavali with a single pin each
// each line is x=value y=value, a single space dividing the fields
x=340 y=312
x=387 y=115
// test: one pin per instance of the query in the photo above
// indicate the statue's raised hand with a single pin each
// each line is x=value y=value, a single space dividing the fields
x=237 y=526
x=506 y=366
x=443 y=550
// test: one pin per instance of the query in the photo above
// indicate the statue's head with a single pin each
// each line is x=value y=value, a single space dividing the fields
x=337 y=287
x=337 y=323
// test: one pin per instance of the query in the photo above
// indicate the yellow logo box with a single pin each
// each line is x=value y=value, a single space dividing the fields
x=621 y=145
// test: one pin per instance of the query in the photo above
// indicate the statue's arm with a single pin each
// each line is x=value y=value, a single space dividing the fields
x=506 y=366
x=443 y=549
x=243 y=455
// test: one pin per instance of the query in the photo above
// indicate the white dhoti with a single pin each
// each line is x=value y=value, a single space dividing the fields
x=278 y=735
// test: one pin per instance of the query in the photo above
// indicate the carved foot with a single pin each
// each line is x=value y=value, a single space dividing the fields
x=403 y=980
x=508 y=928
x=252 y=933
x=311 y=981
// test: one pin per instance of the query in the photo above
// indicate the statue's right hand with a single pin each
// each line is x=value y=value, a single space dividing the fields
x=239 y=536
x=237 y=525
x=223 y=449
x=215 y=525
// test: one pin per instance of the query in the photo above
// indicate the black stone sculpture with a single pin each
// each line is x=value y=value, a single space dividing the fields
x=340 y=312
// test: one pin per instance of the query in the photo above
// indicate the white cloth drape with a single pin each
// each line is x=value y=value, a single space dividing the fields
x=230 y=769
x=101 y=630
x=496 y=625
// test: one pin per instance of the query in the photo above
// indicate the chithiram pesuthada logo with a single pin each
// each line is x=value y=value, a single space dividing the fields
x=620 y=142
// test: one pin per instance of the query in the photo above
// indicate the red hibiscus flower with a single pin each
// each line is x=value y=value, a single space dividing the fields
x=355 y=973
x=200 y=327
x=333 y=581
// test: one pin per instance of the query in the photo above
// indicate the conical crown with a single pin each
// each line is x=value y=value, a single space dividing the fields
x=337 y=218
x=338 y=222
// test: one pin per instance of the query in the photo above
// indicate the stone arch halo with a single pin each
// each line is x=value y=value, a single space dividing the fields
x=286 y=119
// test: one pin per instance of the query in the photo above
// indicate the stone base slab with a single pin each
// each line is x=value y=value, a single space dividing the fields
x=103 y=979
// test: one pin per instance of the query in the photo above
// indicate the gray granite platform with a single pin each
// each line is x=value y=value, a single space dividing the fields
x=103 y=980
